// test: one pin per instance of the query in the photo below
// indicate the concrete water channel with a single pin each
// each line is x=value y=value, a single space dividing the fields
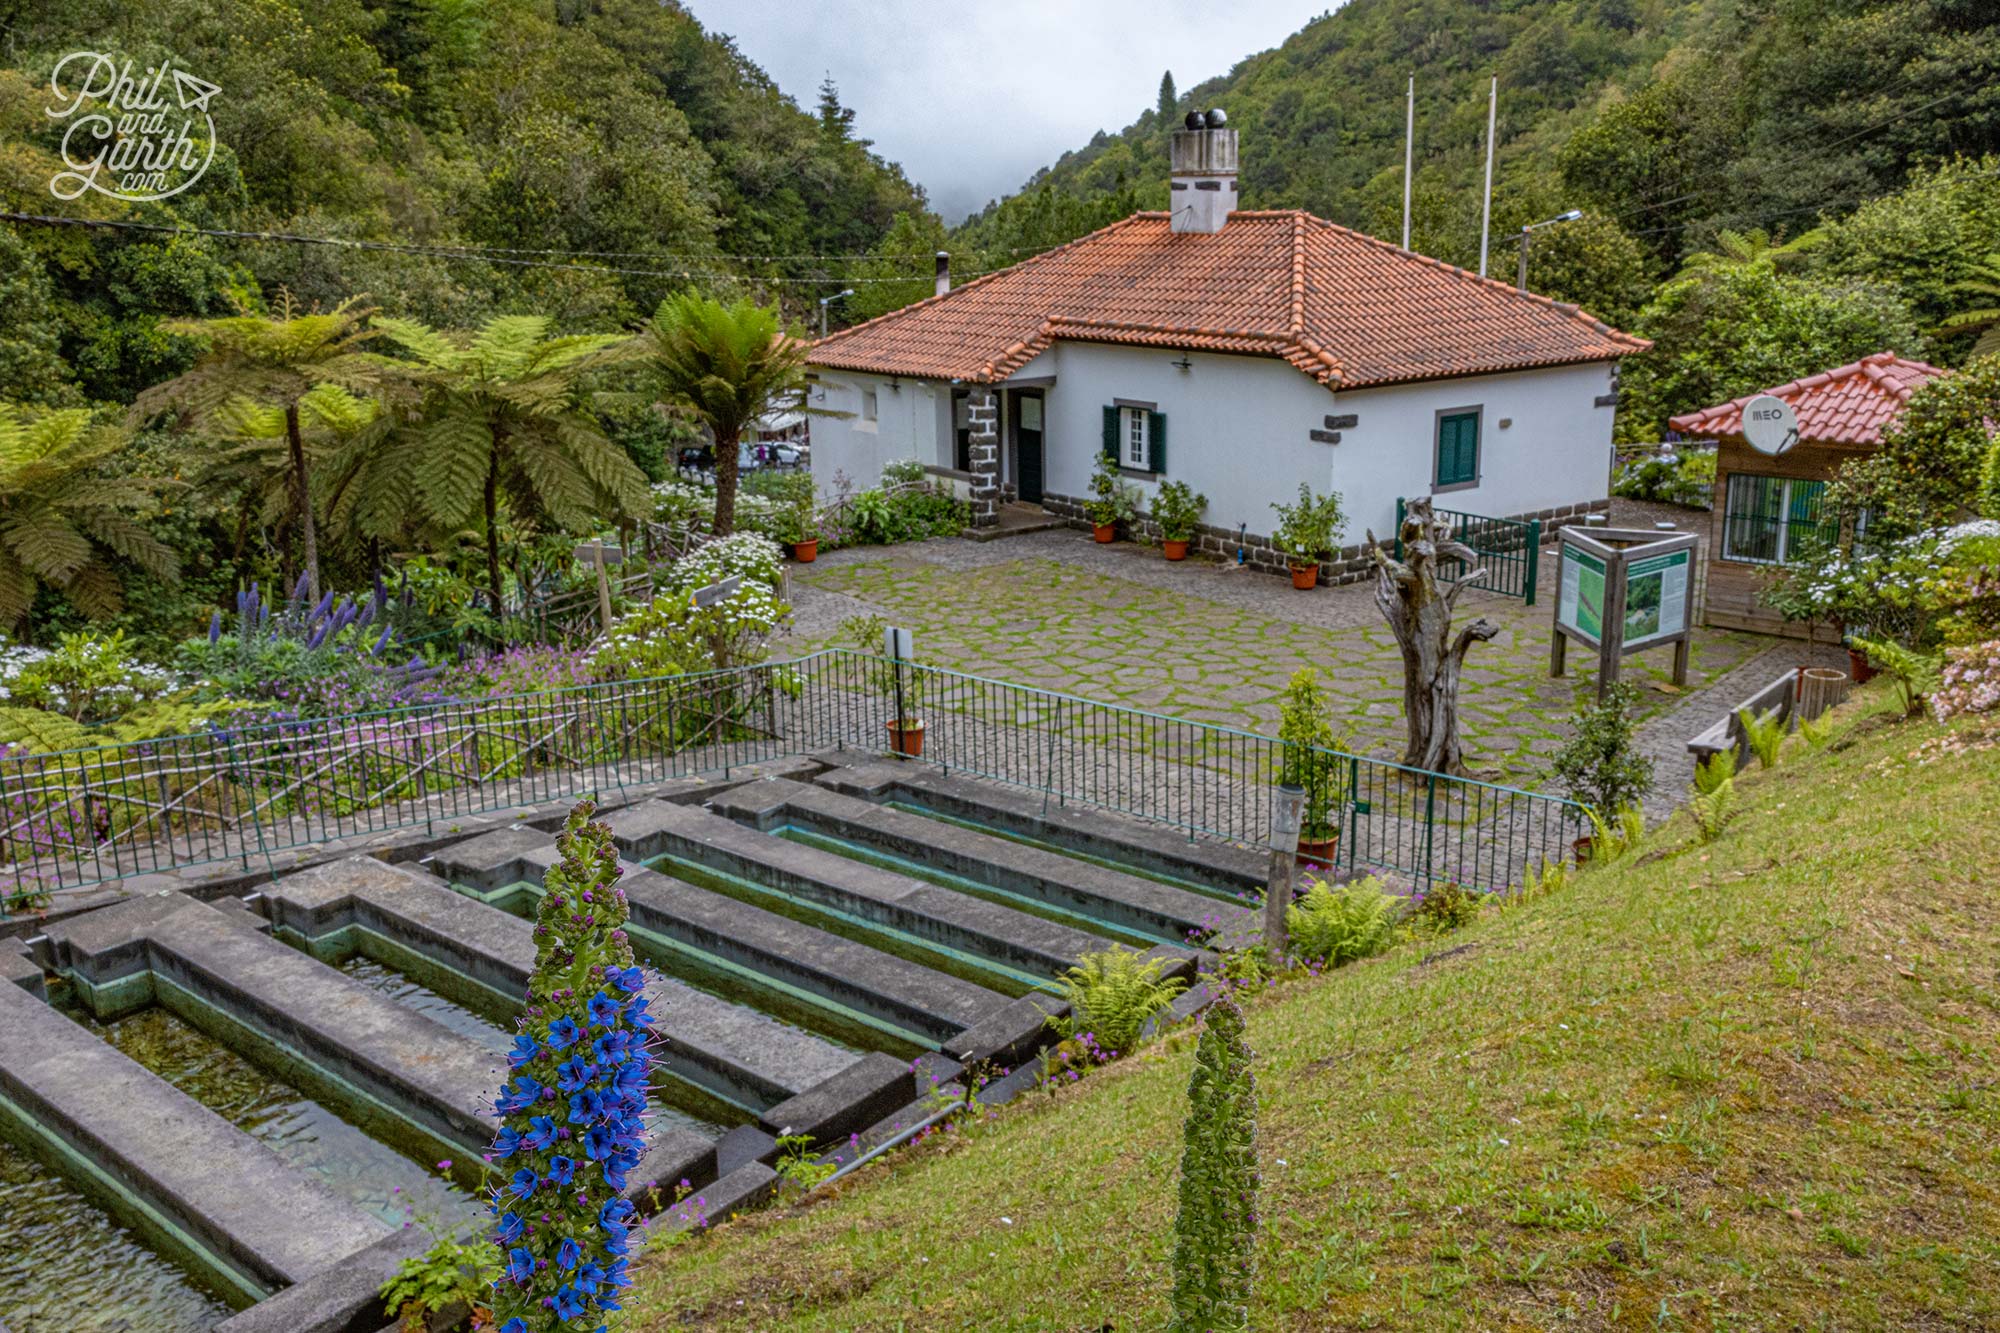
x=242 y=1113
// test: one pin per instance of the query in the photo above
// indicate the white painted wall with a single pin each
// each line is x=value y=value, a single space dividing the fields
x=1238 y=432
x=913 y=420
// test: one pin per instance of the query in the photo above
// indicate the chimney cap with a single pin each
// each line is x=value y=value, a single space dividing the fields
x=1195 y=121
x=1217 y=118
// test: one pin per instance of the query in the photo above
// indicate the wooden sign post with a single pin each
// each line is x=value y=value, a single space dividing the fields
x=1623 y=590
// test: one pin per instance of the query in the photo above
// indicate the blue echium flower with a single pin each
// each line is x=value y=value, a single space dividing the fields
x=573 y=1111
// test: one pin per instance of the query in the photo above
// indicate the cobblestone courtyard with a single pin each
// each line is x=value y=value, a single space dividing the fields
x=1215 y=643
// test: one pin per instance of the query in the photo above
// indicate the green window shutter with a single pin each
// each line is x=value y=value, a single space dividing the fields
x=1111 y=433
x=1458 y=449
x=1157 y=433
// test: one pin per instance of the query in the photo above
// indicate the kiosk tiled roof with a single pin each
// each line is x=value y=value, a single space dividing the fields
x=1849 y=405
x=1342 y=307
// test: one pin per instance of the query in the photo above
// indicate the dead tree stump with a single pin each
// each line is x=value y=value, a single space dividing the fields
x=1419 y=609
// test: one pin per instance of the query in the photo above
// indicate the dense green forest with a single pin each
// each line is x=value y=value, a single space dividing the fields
x=1769 y=187
x=614 y=127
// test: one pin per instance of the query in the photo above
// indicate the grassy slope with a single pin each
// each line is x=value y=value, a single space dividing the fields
x=1749 y=1085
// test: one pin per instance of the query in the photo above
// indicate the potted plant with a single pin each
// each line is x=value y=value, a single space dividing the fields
x=1311 y=762
x=1112 y=500
x=1598 y=766
x=1308 y=532
x=798 y=528
x=1177 y=509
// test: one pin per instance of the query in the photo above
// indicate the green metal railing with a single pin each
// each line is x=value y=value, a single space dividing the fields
x=86 y=817
x=1509 y=549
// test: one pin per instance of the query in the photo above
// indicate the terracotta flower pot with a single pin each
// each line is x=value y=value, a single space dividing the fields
x=1322 y=850
x=806 y=552
x=1858 y=666
x=1305 y=576
x=1105 y=532
x=1175 y=550
x=906 y=738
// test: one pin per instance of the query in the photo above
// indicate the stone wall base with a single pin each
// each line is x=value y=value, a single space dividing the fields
x=1348 y=565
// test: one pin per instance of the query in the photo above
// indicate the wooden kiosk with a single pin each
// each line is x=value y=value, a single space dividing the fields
x=1770 y=489
x=1623 y=591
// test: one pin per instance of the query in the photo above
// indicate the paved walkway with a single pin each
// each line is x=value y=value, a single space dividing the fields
x=1211 y=642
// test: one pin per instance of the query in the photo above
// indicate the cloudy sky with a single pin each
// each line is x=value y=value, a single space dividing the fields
x=973 y=99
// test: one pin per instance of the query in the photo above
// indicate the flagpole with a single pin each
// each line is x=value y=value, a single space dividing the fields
x=1409 y=152
x=1486 y=209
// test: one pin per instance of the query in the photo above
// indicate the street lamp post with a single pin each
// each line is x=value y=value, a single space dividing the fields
x=1521 y=278
x=1288 y=812
x=827 y=301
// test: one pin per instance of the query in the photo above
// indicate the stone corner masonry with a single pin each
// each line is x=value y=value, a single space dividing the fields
x=983 y=412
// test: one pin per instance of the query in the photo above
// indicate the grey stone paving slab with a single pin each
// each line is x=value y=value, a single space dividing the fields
x=958 y=920
x=345 y=1298
x=154 y=1144
x=1000 y=863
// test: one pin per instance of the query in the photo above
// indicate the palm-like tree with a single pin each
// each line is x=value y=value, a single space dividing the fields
x=1984 y=286
x=273 y=361
x=64 y=521
x=729 y=365
x=258 y=457
x=1752 y=249
x=500 y=410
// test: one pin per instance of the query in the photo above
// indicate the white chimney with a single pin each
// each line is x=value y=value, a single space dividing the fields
x=943 y=272
x=1204 y=180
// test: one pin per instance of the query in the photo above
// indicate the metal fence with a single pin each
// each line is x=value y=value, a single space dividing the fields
x=1509 y=550
x=85 y=817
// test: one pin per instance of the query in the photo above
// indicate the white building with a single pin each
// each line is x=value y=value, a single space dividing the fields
x=1240 y=352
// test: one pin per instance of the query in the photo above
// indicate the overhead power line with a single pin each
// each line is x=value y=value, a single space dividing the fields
x=451 y=253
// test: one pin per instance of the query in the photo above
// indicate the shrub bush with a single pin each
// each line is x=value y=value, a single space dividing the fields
x=301 y=659
x=88 y=678
x=1338 y=923
x=1446 y=906
x=1597 y=765
x=1685 y=476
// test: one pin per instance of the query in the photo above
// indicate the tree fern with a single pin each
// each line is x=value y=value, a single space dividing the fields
x=255 y=363
x=499 y=412
x=64 y=524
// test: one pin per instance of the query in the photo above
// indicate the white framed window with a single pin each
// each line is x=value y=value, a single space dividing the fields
x=1135 y=434
x=1773 y=520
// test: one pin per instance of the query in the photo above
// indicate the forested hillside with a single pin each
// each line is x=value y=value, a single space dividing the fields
x=619 y=128
x=1770 y=187
x=1678 y=117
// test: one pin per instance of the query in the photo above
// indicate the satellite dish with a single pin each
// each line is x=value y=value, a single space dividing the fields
x=1770 y=424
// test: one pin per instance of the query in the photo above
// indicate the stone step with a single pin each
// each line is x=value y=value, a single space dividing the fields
x=744 y=1057
x=351 y=1045
x=1138 y=844
x=1084 y=887
x=1034 y=946
x=913 y=1002
x=906 y=997
x=150 y=1149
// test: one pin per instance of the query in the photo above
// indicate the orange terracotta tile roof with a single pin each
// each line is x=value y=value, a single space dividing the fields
x=1344 y=308
x=1849 y=405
